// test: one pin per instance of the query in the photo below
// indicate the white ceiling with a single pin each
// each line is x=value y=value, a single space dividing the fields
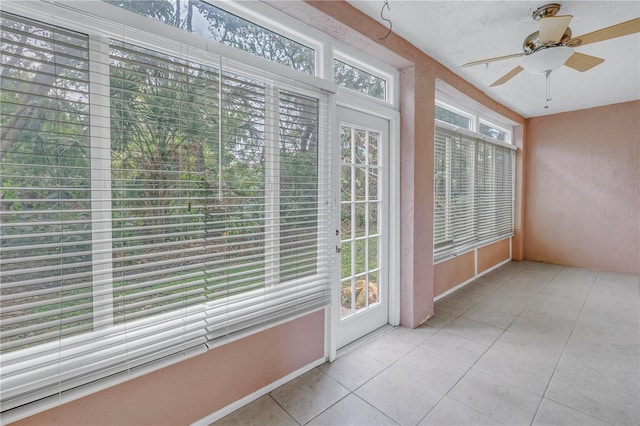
x=455 y=32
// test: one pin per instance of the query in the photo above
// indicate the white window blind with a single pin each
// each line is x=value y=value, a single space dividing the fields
x=473 y=191
x=152 y=206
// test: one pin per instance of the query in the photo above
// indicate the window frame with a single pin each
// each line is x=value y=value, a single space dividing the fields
x=101 y=20
x=341 y=54
x=99 y=30
x=508 y=133
x=264 y=16
x=476 y=118
x=473 y=118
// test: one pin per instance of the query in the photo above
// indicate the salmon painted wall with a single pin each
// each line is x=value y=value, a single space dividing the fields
x=455 y=271
x=583 y=191
x=450 y=273
x=492 y=254
x=195 y=388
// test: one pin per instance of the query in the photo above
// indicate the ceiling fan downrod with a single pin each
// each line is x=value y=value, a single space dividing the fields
x=547 y=75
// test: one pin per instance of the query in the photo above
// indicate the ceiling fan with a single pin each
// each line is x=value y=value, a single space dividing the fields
x=553 y=45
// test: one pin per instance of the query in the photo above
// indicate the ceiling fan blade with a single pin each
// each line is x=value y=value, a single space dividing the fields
x=508 y=76
x=581 y=62
x=486 y=61
x=552 y=28
x=618 y=30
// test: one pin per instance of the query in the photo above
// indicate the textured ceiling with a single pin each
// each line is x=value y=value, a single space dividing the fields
x=455 y=32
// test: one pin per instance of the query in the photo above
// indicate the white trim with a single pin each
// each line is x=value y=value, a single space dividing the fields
x=378 y=72
x=257 y=394
x=448 y=96
x=466 y=249
x=394 y=221
x=336 y=197
x=100 y=155
x=470 y=280
x=475 y=135
x=358 y=323
x=508 y=133
x=471 y=115
x=271 y=182
x=265 y=16
x=366 y=104
x=475 y=262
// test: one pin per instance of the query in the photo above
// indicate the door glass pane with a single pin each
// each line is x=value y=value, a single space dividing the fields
x=360 y=211
x=360 y=219
x=373 y=219
x=345 y=298
x=374 y=296
x=345 y=183
x=345 y=142
x=373 y=251
x=345 y=260
x=360 y=148
x=361 y=256
x=374 y=141
x=373 y=183
x=360 y=184
x=346 y=221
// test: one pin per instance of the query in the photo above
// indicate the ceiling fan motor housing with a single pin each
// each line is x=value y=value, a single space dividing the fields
x=532 y=42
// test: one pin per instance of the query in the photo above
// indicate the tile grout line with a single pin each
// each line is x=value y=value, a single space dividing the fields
x=489 y=347
x=283 y=409
x=564 y=349
x=476 y=361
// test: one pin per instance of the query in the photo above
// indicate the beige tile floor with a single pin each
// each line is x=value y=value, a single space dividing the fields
x=528 y=344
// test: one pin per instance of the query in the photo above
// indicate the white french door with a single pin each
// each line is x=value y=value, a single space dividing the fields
x=363 y=250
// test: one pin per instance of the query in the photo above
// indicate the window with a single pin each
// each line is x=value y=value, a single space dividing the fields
x=211 y=22
x=151 y=206
x=447 y=115
x=493 y=132
x=348 y=76
x=473 y=191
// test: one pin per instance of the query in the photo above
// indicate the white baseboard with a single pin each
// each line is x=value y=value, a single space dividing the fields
x=257 y=394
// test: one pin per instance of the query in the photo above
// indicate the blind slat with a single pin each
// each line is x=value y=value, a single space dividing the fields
x=179 y=204
x=473 y=191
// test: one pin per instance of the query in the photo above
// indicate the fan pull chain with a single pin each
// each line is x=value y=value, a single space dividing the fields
x=547 y=73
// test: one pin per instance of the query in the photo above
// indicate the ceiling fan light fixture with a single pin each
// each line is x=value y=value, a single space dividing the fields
x=548 y=59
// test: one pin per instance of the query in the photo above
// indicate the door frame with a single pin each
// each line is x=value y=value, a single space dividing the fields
x=351 y=100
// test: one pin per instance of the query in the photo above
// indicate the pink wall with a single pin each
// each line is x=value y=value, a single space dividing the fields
x=452 y=272
x=455 y=271
x=583 y=191
x=192 y=389
x=492 y=254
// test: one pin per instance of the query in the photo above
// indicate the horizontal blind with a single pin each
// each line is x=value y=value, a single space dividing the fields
x=473 y=191
x=151 y=206
x=454 y=224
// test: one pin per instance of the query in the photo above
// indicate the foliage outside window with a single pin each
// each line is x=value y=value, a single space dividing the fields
x=211 y=22
x=353 y=78
x=139 y=204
